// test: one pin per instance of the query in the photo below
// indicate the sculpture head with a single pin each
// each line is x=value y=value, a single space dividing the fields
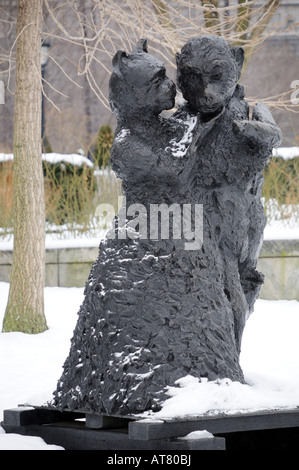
x=138 y=85
x=208 y=70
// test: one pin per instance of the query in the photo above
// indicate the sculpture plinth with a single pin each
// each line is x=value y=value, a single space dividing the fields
x=159 y=306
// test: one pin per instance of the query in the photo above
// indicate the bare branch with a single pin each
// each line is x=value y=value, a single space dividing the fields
x=98 y=28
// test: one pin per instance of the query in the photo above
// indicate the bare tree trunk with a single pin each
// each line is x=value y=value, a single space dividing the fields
x=25 y=308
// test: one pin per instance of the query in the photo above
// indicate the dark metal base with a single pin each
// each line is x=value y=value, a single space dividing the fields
x=278 y=430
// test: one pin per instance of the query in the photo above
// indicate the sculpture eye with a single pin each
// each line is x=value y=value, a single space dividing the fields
x=157 y=80
x=216 y=77
x=159 y=77
x=192 y=77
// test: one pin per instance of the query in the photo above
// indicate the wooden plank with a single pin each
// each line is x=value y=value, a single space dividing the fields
x=277 y=428
x=75 y=436
x=24 y=415
x=105 y=422
x=20 y=416
x=216 y=425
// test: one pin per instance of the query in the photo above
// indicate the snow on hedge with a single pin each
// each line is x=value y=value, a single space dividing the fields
x=286 y=152
x=79 y=160
x=73 y=158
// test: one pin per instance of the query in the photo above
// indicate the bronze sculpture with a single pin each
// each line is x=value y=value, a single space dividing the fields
x=157 y=308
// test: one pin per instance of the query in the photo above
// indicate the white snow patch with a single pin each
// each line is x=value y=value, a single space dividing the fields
x=122 y=135
x=179 y=149
x=280 y=230
x=152 y=421
x=197 y=435
x=18 y=442
x=286 y=152
x=54 y=241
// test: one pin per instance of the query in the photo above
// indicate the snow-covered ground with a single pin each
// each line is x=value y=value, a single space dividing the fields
x=30 y=365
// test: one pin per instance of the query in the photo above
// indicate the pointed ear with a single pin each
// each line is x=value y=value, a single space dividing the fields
x=238 y=54
x=141 y=46
x=177 y=58
x=117 y=59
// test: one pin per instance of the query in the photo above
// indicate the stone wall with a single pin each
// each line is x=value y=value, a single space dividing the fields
x=70 y=267
x=65 y=267
x=279 y=261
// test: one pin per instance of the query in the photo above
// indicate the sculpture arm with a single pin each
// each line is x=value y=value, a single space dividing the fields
x=262 y=130
x=131 y=160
